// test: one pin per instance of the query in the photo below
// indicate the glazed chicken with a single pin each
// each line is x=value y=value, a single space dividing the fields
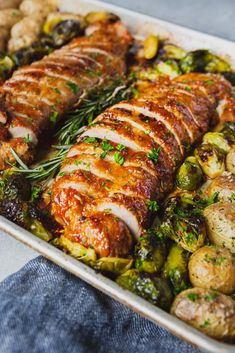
x=124 y=163
x=37 y=96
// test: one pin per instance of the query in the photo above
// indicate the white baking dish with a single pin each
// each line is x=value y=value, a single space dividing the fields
x=140 y=25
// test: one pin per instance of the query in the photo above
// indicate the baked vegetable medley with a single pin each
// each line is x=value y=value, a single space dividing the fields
x=121 y=153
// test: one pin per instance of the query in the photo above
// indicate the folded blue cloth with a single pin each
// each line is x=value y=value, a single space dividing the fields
x=44 y=309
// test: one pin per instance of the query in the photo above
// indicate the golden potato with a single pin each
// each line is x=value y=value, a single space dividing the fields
x=209 y=311
x=224 y=185
x=213 y=267
x=220 y=221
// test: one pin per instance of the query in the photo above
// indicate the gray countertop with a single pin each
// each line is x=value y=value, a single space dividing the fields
x=214 y=17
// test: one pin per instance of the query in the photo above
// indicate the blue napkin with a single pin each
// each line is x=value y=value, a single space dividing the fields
x=44 y=309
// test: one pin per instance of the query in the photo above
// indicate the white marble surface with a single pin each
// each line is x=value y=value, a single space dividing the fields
x=211 y=16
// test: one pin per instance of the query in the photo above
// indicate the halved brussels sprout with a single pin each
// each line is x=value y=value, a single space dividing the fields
x=171 y=51
x=150 y=253
x=75 y=249
x=176 y=268
x=7 y=65
x=230 y=76
x=151 y=47
x=95 y=16
x=217 y=65
x=189 y=176
x=218 y=139
x=211 y=159
x=154 y=289
x=228 y=132
x=66 y=30
x=37 y=228
x=113 y=265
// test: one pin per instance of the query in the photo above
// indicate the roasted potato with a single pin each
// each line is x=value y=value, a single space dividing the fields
x=209 y=311
x=224 y=185
x=213 y=267
x=6 y=4
x=9 y=17
x=220 y=220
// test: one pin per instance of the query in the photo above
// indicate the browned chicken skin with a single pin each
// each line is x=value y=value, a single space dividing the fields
x=128 y=157
x=37 y=96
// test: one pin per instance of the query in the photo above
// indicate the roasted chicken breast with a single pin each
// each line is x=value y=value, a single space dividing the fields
x=124 y=163
x=37 y=96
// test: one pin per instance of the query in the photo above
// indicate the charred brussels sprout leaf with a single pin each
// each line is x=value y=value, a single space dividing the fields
x=155 y=290
x=189 y=176
x=211 y=159
x=176 y=268
x=151 y=47
x=150 y=253
x=64 y=31
x=113 y=265
x=168 y=67
x=95 y=16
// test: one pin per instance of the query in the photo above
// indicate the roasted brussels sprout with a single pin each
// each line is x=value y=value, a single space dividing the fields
x=7 y=66
x=220 y=224
x=189 y=176
x=150 y=253
x=66 y=30
x=75 y=249
x=183 y=222
x=217 y=139
x=37 y=228
x=211 y=159
x=151 y=47
x=15 y=186
x=207 y=310
x=113 y=265
x=171 y=51
x=36 y=51
x=154 y=289
x=213 y=267
x=93 y=16
x=168 y=67
x=203 y=61
x=16 y=211
x=176 y=268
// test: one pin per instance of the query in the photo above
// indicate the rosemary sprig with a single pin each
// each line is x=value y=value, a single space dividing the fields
x=74 y=125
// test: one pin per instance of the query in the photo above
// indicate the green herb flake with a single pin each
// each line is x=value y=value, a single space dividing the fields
x=153 y=205
x=56 y=90
x=119 y=159
x=209 y=82
x=193 y=296
x=27 y=139
x=154 y=154
x=106 y=147
x=62 y=174
x=35 y=193
x=73 y=87
x=54 y=117
x=90 y=140
x=121 y=147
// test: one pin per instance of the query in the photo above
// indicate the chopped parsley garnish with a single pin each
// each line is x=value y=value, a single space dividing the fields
x=187 y=88
x=119 y=158
x=154 y=154
x=54 y=117
x=209 y=82
x=27 y=139
x=74 y=88
x=90 y=140
x=211 y=296
x=106 y=147
x=232 y=197
x=193 y=296
x=35 y=194
x=62 y=174
x=153 y=206
x=206 y=323
x=56 y=90
x=121 y=147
